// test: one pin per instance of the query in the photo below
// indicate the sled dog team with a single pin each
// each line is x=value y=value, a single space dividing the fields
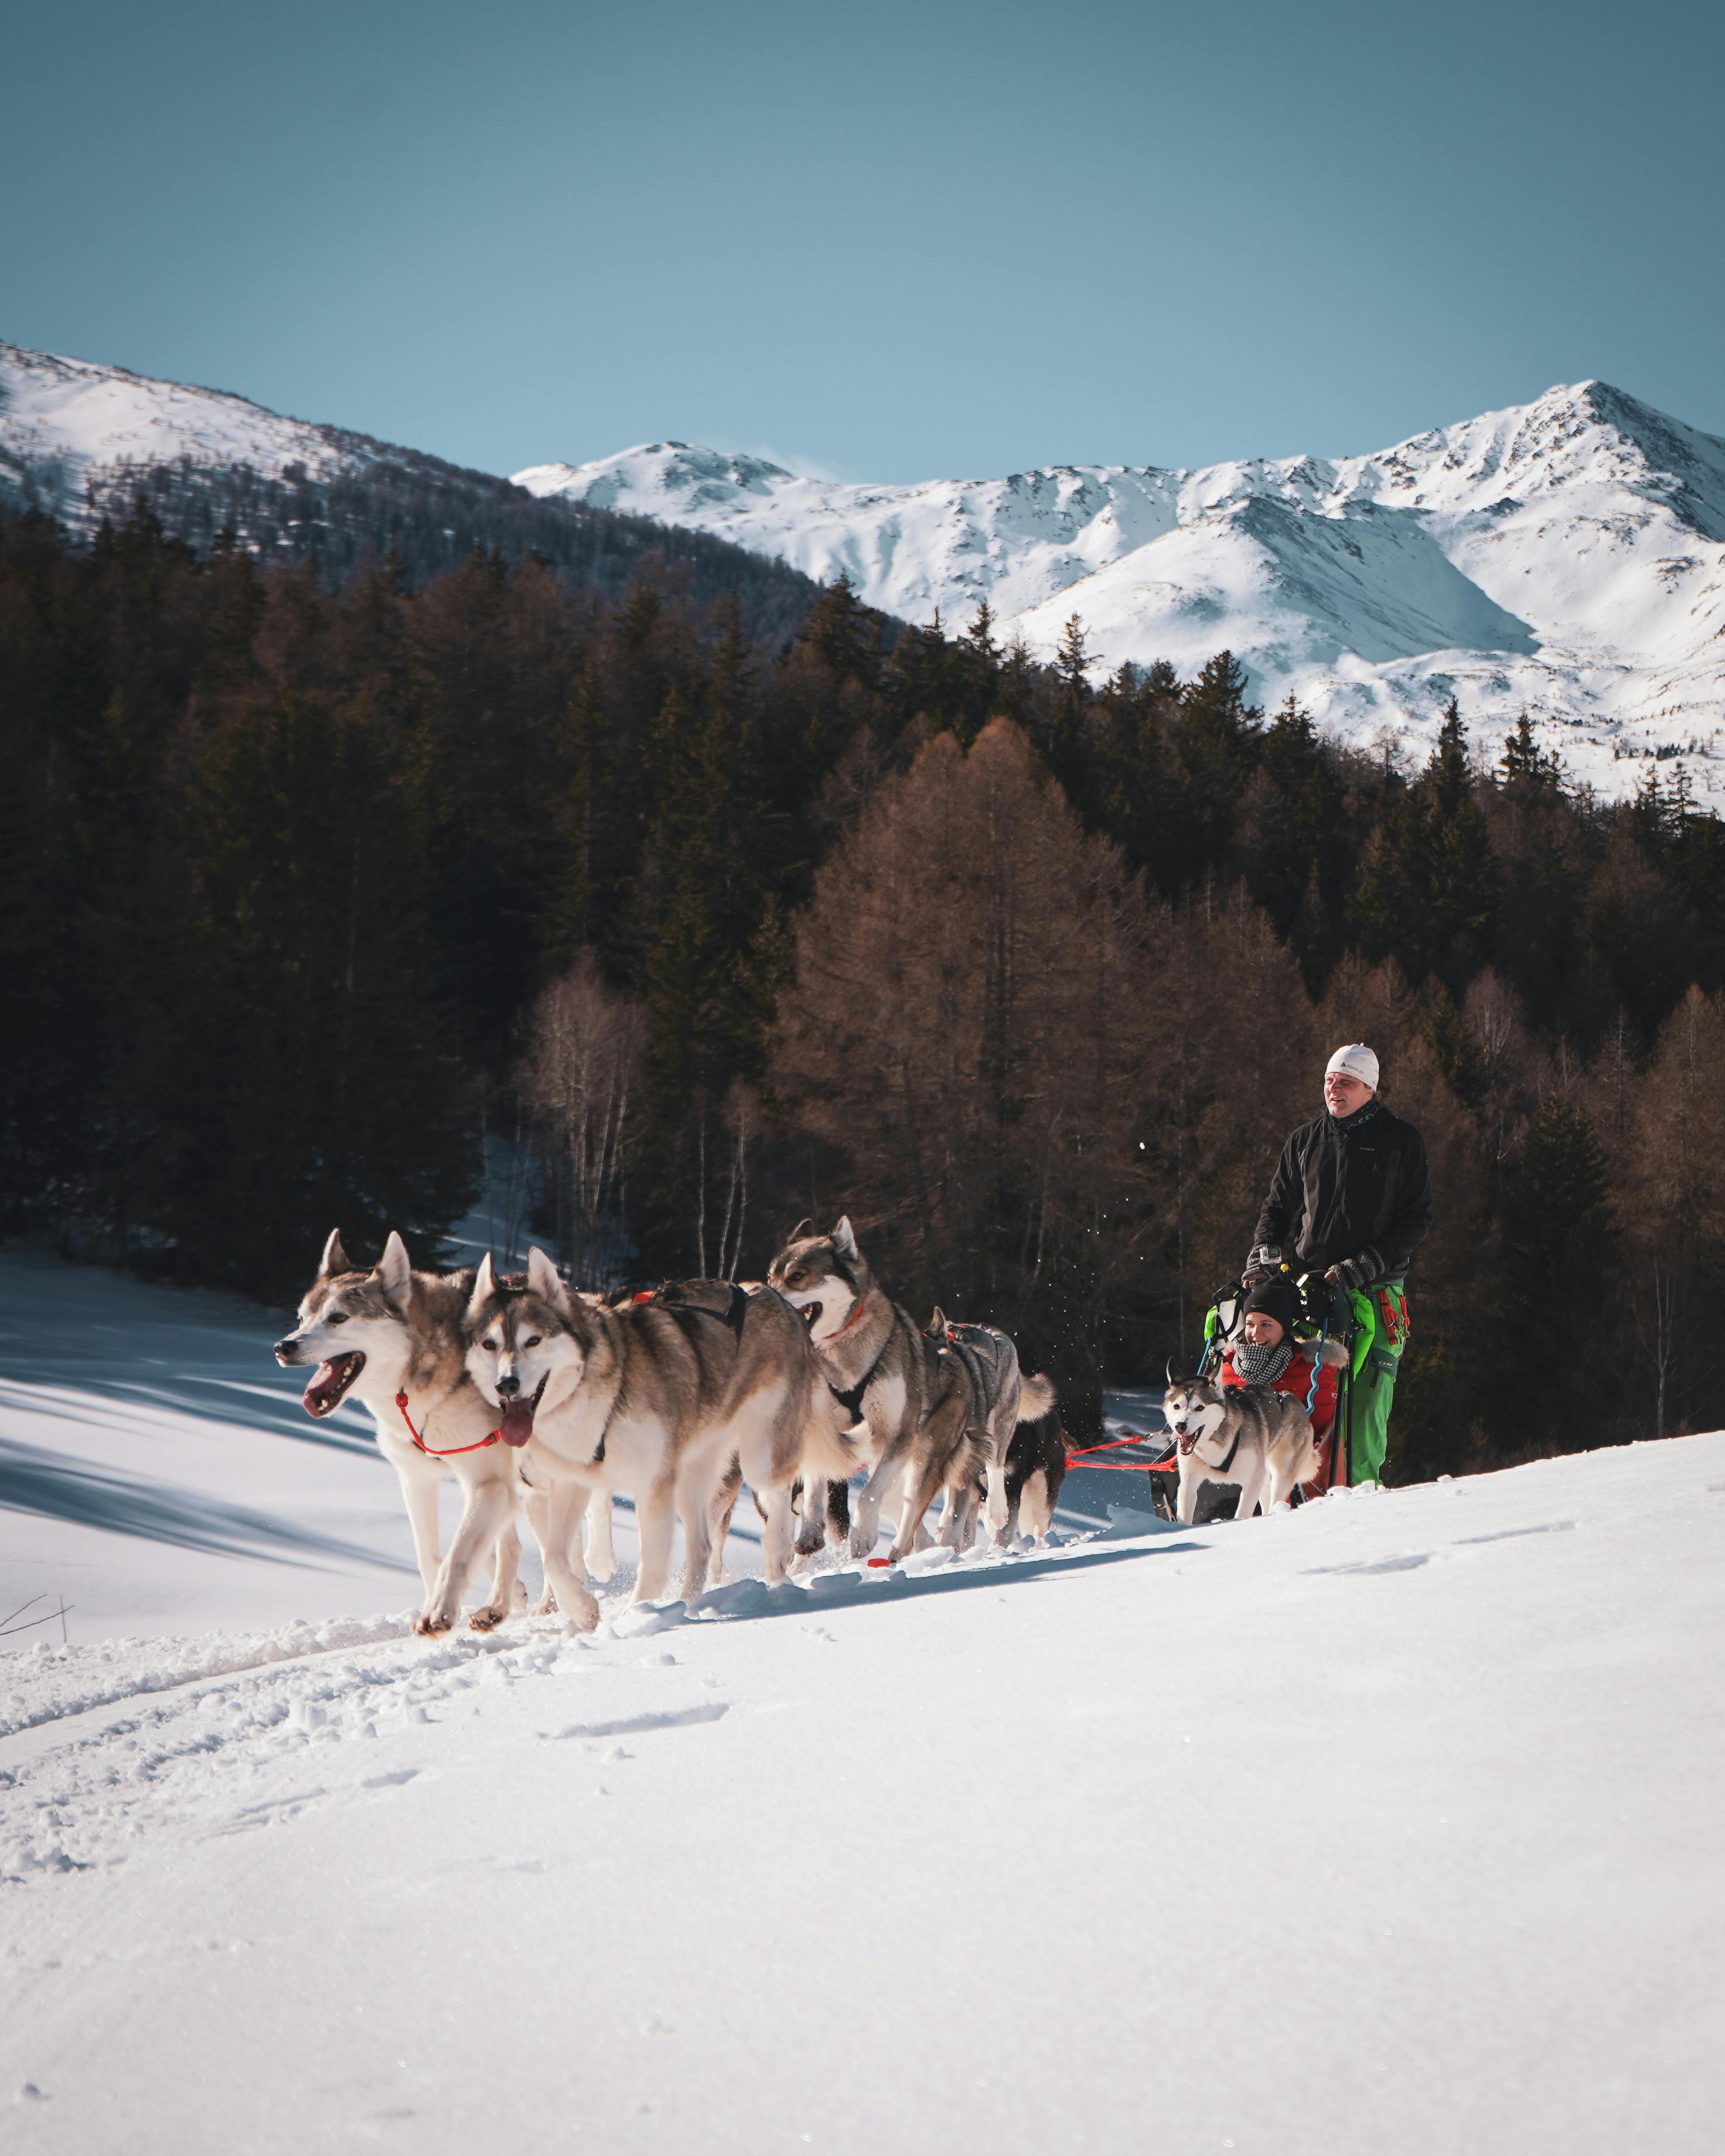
x=530 y=1395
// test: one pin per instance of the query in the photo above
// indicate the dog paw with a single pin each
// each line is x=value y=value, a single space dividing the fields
x=486 y=1620
x=602 y=1573
x=427 y=1626
x=587 y=1617
x=546 y=1606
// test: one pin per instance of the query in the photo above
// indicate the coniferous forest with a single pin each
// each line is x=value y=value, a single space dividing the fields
x=727 y=917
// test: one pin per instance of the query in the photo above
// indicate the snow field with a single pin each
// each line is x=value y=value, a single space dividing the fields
x=1388 y=1825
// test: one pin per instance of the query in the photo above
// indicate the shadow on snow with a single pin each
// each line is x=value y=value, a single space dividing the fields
x=31 y=1480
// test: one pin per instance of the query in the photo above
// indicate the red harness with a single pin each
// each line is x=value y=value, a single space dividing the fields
x=441 y=1451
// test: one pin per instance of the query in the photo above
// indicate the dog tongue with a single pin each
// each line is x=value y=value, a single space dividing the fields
x=319 y=1396
x=516 y=1424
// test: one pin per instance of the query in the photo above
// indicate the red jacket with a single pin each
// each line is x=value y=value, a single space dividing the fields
x=1296 y=1379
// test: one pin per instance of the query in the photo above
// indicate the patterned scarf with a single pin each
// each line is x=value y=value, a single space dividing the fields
x=1262 y=1366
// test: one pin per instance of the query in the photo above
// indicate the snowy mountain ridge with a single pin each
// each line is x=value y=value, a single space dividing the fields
x=65 y=421
x=1566 y=557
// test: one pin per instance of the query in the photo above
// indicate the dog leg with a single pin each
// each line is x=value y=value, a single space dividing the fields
x=694 y=1508
x=911 y=1516
x=418 y=1493
x=866 y=1522
x=482 y=1518
x=505 y=1565
x=776 y=1536
x=1187 y=1504
x=997 y=1511
x=812 y=1524
x=538 y=1511
x=958 y=1519
x=724 y=1505
x=568 y=1502
x=601 y=1550
x=655 y=1517
x=1250 y=1487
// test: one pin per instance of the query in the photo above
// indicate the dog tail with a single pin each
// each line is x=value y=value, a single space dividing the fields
x=1036 y=1397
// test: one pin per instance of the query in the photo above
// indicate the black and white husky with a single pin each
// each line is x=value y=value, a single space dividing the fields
x=934 y=1417
x=1259 y=1440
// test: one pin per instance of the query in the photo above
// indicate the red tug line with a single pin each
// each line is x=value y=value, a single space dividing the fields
x=1082 y=1457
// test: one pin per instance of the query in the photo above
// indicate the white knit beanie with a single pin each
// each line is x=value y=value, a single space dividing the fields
x=1356 y=1060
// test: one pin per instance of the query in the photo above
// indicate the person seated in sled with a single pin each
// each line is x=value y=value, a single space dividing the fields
x=1351 y=1200
x=1264 y=1351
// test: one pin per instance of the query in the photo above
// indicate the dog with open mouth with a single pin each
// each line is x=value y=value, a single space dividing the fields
x=1259 y=1440
x=392 y=1338
x=930 y=1415
x=664 y=1397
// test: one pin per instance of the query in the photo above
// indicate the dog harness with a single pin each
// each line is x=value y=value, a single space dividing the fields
x=442 y=1451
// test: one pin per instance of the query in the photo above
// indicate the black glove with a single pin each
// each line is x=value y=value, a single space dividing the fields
x=1361 y=1271
x=1263 y=1261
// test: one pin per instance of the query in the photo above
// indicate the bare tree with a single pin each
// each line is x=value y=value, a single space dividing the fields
x=579 y=1080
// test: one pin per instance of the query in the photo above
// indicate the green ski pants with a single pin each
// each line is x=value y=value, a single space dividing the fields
x=1376 y=1358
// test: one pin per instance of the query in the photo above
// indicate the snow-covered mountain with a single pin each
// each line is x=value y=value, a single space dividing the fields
x=70 y=429
x=1562 y=558
x=1565 y=557
x=84 y=441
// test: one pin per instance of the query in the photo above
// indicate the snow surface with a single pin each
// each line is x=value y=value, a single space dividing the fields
x=1388 y=1825
x=1562 y=558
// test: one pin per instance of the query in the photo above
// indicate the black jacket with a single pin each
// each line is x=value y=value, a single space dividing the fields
x=1357 y=1189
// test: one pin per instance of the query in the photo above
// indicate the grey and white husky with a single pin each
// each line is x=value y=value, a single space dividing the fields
x=392 y=1338
x=1257 y=1438
x=660 y=1399
x=934 y=1419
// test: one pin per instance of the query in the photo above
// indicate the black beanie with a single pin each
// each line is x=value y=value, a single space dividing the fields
x=1276 y=1298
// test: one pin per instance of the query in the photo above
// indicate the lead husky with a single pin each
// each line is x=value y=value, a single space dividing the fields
x=392 y=1338
x=1259 y=1439
x=659 y=1398
x=935 y=1420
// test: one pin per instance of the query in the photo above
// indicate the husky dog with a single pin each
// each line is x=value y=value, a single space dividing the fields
x=1259 y=1439
x=1002 y=1399
x=1035 y=1468
x=657 y=1398
x=392 y=1338
x=931 y=1414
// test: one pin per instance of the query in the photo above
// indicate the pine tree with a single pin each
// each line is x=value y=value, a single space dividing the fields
x=1431 y=891
x=844 y=632
x=1557 y=1381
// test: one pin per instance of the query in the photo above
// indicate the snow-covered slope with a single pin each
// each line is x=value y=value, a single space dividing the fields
x=65 y=423
x=1562 y=558
x=1390 y=1823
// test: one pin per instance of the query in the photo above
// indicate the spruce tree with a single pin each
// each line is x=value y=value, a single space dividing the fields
x=1556 y=1381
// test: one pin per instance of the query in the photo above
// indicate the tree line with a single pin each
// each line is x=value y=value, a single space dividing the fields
x=310 y=892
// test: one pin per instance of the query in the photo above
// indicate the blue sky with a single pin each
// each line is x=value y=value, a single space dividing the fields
x=888 y=241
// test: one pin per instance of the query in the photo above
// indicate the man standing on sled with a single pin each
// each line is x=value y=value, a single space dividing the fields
x=1351 y=1200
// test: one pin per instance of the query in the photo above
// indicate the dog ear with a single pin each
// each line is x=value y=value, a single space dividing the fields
x=1173 y=1375
x=938 y=1323
x=484 y=1286
x=544 y=1280
x=394 y=1270
x=335 y=1260
x=805 y=1226
x=844 y=1239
